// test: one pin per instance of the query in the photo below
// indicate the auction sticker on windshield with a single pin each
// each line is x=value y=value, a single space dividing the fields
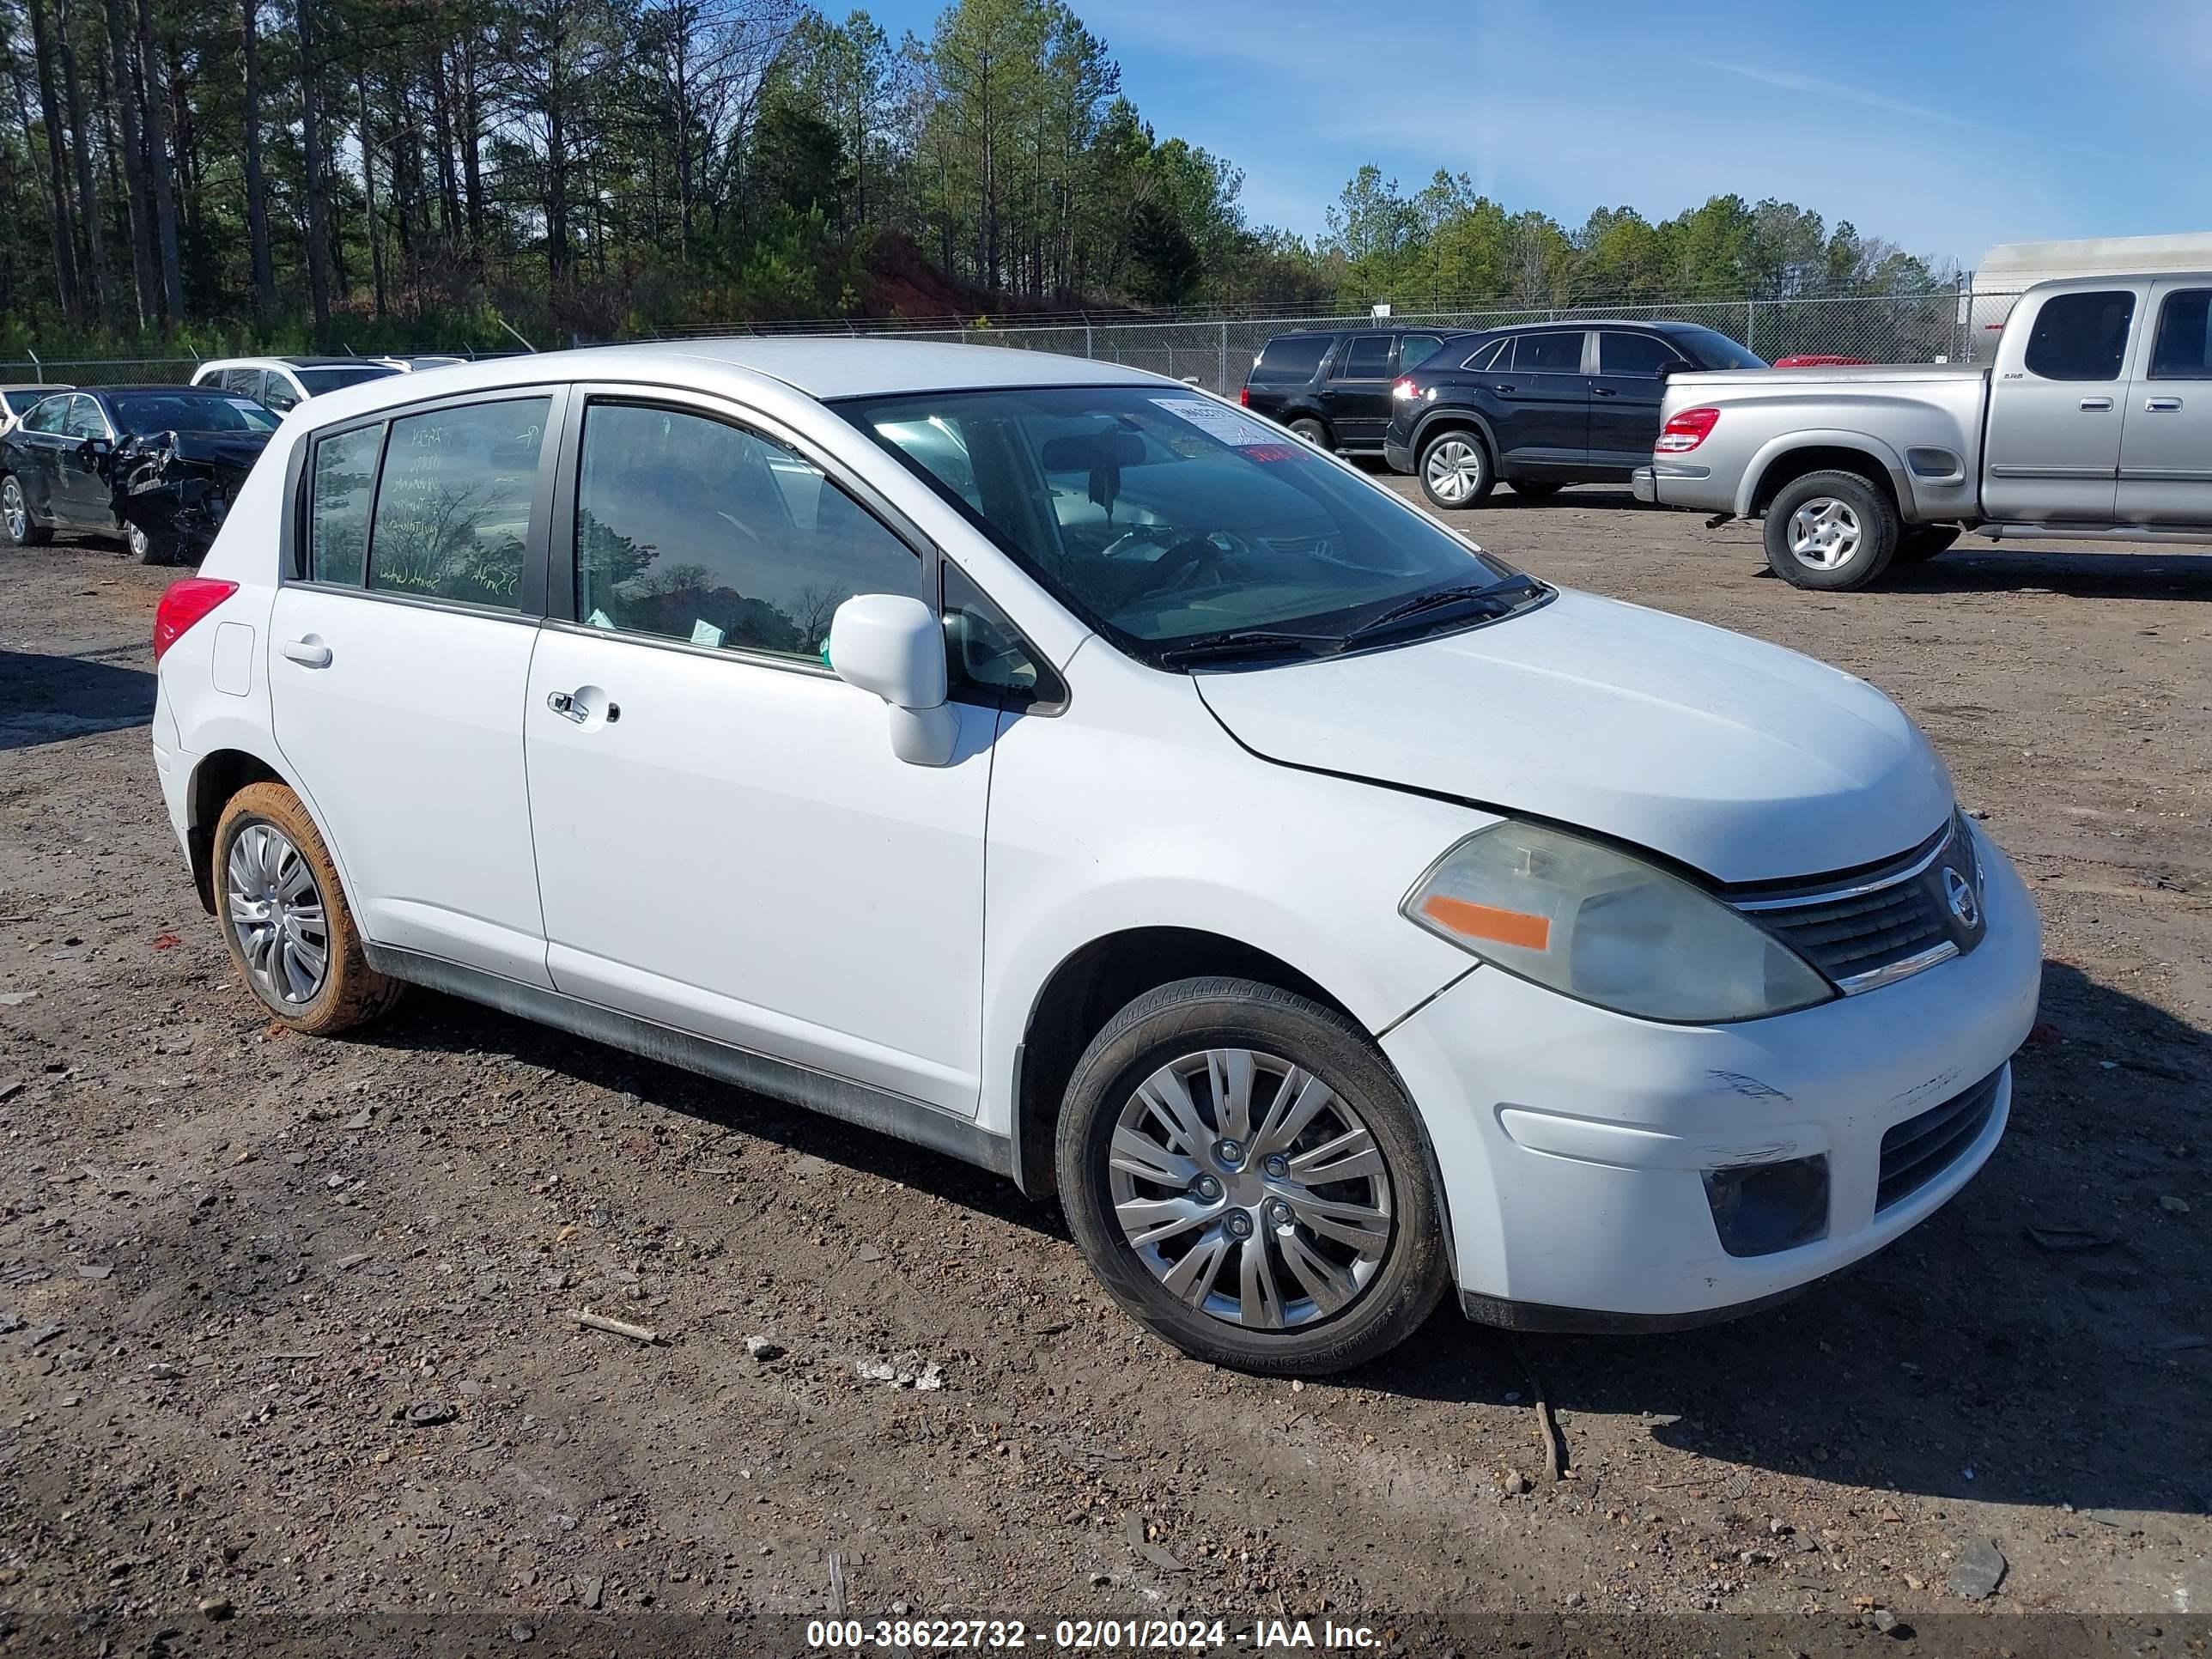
x=1232 y=427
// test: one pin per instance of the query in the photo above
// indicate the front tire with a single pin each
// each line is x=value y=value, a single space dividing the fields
x=1456 y=468
x=1246 y=1176
x=17 y=524
x=1831 y=531
x=147 y=547
x=285 y=917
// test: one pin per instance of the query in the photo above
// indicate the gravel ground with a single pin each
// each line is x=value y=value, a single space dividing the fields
x=283 y=1322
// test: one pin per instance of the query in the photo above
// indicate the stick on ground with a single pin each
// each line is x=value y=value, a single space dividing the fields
x=601 y=1322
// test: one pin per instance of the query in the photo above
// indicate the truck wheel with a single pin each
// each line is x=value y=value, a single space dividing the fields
x=1830 y=531
x=1923 y=542
x=1456 y=468
x=1314 y=432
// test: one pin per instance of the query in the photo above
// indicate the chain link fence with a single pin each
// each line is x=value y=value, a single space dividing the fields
x=1952 y=325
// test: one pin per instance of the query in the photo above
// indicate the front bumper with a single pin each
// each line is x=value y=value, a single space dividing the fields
x=1573 y=1141
x=1398 y=456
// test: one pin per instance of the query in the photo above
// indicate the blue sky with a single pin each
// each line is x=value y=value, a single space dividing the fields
x=1946 y=125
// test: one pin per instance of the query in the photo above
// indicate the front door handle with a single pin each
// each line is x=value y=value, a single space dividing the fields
x=2161 y=404
x=309 y=652
x=1504 y=388
x=577 y=705
x=1602 y=392
x=2093 y=405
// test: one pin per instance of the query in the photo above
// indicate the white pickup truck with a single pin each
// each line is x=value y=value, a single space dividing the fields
x=2094 y=423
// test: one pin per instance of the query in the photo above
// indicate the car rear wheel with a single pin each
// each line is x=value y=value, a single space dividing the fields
x=285 y=918
x=1537 y=489
x=1247 y=1178
x=1832 y=531
x=1313 y=431
x=15 y=521
x=1455 y=470
x=1924 y=541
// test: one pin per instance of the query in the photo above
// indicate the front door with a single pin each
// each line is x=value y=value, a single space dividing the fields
x=1357 y=394
x=1543 y=395
x=725 y=842
x=2058 y=399
x=398 y=666
x=83 y=495
x=2166 y=441
x=1625 y=394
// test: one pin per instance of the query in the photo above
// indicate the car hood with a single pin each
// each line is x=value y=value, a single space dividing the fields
x=1738 y=758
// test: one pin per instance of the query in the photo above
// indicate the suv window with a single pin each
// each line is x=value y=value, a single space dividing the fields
x=692 y=529
x=2183 y=350
x=2081 y=336
x=277 y=391
x=1292 y=356
x=338 y=518
x=1633 y=354
x=452 y=505
x=248 y=381
x=1414 y=349
x=1548 y=354
x=1367 y=358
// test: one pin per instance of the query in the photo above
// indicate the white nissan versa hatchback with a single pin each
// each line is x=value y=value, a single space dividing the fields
x=1060 y=767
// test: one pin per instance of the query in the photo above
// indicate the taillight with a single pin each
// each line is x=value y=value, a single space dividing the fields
x=1686 y=430
x=1402 y=389
x=185 y=604
x=1244 y=396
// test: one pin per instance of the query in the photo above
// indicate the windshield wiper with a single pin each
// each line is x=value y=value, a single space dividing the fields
x=1496 y=598
x=1247 y=642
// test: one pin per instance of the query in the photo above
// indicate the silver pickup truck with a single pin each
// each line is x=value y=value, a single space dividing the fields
x=2094 y=423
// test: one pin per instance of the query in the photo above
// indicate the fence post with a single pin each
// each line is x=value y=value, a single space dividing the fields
x=1750 y=325
x=1087 y=351
x=1224 y=387
x=38 y=369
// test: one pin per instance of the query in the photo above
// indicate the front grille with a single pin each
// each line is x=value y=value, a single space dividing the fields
x=1914 y=1152
x=1874 y=926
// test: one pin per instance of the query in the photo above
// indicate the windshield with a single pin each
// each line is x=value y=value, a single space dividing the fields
x=184 y=410
x=1710 y=349
x=1162 y=517
x=319 y=380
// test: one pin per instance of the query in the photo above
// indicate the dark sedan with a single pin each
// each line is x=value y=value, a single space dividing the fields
x=1543 y=404
x=155 y=464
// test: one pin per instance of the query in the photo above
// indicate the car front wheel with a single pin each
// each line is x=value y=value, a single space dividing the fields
x=1455 y=470
x=149 y=547
x=1832 y=531
x=15 y=521
x=1247 y=1179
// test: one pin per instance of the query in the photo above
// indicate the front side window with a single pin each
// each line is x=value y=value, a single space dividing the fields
x=344 y=484
x=1366 y=358
x=1632 y=354
x=1548 y=354
x=2080 y=337
x=693 y=529
x=1710 y=349
x=1162 y=518
x=278 y=393
x=452 y=507
x=2183 y=350
x=85 y=420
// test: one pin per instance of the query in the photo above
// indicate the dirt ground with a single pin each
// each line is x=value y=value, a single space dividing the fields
x=283 y=1323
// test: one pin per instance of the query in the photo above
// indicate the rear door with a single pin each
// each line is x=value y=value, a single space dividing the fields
x=1356 y=396
x=1625 y=394
x=2165 y=439
x=1543 y=392
x=41 y=442
x=400 y=659
x=2056 y=406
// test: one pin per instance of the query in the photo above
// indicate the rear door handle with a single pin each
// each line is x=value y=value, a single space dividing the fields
x=1603 y=392
x=2095 y=404
x=309 y=652
x=2162 y=403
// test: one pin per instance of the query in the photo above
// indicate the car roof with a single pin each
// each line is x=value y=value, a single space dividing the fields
x=823 y=368
x=36 y=385
x=173 y=388
x=291 y=362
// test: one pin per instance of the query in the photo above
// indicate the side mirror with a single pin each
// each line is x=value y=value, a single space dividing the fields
x=891 y=645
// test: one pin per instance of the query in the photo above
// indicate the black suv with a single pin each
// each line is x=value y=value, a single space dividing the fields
x=1332 y=387
x=1542 y=405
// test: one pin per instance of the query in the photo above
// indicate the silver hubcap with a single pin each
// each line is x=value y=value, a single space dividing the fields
x=278 y=915
x=1454 y=470
x=137 y=537
x=1825 y=531
x=13 y=509
x=1250 y=1190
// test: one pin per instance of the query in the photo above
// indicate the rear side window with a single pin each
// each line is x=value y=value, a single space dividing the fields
x=49 y=416
x=344 y=485
x=2183 y=350
x=1548 y=354
x=452 y=505
x=1632 y=354
x=1367 y=358
x=2081 y=336
x=277 y=391
x=1414 y=349
x=248 y=381
x=1292 y=356
x=693 y=529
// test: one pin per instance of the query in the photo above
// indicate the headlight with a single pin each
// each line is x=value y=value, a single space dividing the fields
x=1609 y=929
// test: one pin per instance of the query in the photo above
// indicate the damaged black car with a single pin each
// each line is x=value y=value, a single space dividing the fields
x=158 y=465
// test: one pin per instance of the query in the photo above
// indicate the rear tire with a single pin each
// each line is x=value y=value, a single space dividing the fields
x=1831 y=531
x=1314 y=432
x=1537 y=489
x=17 y=527
x=1923 y=542
x=1456 y=468
x=285 y=917
x=1199 y=1183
